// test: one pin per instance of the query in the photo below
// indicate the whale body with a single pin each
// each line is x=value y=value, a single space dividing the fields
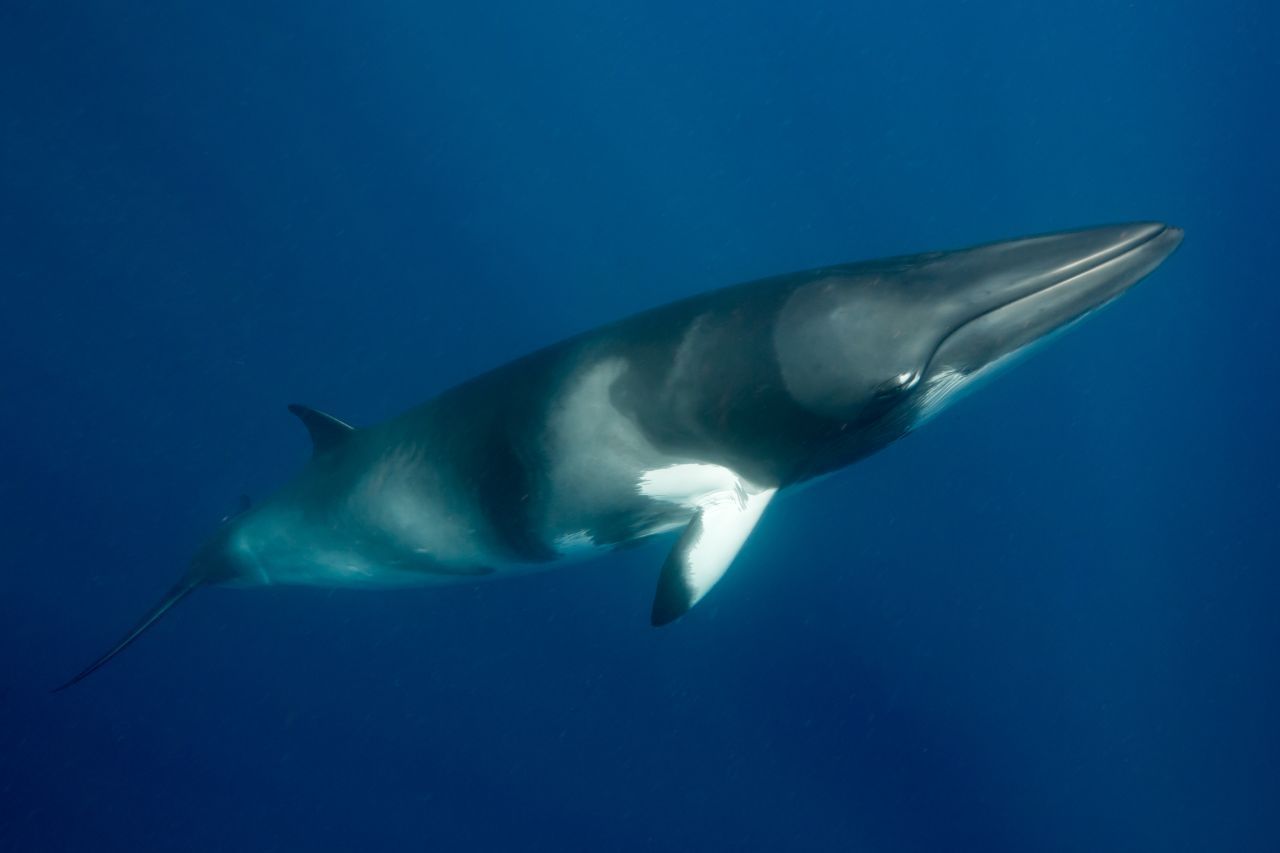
x=689 y=417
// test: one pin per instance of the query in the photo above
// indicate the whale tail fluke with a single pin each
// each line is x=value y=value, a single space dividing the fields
x=178 y=592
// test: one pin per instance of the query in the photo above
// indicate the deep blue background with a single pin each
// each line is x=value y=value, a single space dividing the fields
x=1047 y=622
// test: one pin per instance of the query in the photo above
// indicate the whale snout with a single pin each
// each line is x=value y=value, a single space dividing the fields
x=1019 y=293
x=862 y=340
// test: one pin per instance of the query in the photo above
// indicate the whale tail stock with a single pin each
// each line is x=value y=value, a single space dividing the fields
x=210 y=565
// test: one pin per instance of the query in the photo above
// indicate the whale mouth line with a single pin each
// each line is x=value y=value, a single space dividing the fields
x=1079 y=269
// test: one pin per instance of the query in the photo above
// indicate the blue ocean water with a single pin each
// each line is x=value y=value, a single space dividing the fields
x=1046 y=622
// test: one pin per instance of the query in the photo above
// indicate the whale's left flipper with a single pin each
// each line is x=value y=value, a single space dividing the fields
x=706 y=549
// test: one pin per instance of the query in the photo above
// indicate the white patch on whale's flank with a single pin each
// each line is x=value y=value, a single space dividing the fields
x=595 y=453
x=688 y=369
x=590 y=436
x=689 y=483
x=728 y=508
x=402 y=495
x=241 y=546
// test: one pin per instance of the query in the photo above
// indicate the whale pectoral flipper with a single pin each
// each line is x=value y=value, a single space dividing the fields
x=326 y=431
x=706 y=549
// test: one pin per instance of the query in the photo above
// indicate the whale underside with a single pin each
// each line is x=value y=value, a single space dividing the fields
x=689 y=417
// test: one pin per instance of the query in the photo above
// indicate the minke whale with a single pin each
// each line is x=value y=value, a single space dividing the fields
x=689 y=417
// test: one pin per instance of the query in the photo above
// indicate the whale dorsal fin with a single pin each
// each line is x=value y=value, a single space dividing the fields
x=327 y=432
x=726 y=514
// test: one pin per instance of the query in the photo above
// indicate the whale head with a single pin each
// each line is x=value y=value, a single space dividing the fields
x=889 y=344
